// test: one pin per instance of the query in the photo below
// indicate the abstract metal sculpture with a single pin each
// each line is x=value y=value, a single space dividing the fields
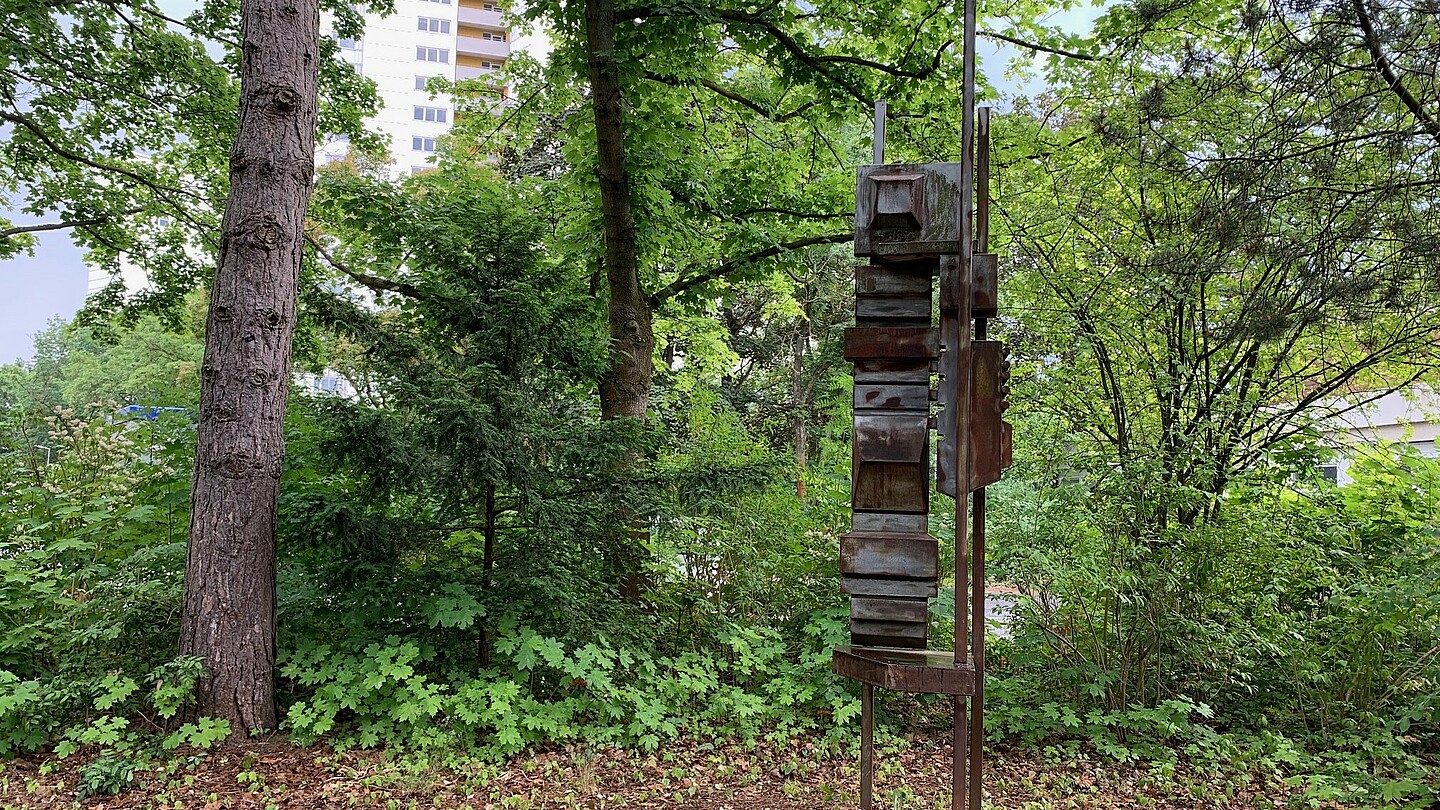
x=914 y=223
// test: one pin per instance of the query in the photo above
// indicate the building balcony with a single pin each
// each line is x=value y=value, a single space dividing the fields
x=463 y=72
x=482 y=47
x=479 y=16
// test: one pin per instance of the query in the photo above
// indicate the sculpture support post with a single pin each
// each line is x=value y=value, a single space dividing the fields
x=913 y=224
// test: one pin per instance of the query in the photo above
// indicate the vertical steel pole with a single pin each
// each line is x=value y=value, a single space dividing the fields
x=878 y=144
x=867 y=746
x=977 y=557
x=962 y=388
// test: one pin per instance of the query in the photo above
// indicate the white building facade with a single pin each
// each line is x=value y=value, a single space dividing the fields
x=450 y=39
x=1409 y=418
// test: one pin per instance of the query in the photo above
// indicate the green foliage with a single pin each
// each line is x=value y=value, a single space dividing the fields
x=105 y=776
x=94 y=531
x=541 y=691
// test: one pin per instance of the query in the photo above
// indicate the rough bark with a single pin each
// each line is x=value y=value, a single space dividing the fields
x=229 y=608
x=625 y=388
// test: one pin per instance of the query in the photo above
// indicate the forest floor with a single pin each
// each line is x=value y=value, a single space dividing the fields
x=687 y=776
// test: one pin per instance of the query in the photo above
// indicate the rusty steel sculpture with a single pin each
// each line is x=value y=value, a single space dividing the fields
x=916 y=224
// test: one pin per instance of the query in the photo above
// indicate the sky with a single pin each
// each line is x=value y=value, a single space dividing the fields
x=52 y=283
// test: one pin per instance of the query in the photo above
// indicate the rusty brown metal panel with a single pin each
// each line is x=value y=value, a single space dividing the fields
x=927 y=671
x=897 y=556
x=889 y=610
x=906 y=309
x=888 y=522
x=891 y=436
x=986 y=286
x=990 y=439
x=871 y=586
x=892 y=486
x=896 y=371
x=882 y=342
x=892 y=397
x=891 y=642
x=910 y=279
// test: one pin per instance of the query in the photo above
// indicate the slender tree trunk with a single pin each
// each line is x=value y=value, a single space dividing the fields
x=798 y=403
x=229 y=610
x=625 y=386
x=487 y=567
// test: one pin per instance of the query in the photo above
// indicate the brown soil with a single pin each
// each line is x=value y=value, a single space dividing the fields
x=685 y=776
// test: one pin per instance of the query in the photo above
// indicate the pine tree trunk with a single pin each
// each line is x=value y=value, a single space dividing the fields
x=229 y=610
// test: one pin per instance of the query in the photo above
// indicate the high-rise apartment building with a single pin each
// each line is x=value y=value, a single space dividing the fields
x=451 y=39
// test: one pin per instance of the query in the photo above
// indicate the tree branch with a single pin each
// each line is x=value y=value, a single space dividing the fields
x=1020 y=43
x=1387 y=71
x=372 y=282
x=53 y=226
x=680 y=285
x=726 y=92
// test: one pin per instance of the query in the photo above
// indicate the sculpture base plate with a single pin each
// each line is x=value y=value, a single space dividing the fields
x=929 y=671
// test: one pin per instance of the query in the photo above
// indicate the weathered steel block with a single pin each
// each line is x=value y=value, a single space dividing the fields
x=890 y=396
x=888 y=522
x=914 y=308
x=898 y=556
x=886 y=342
x=906 y=210
x=892 y=371
x=902 y=279
x=891 y=486
x=889 y=609
x=896 y=588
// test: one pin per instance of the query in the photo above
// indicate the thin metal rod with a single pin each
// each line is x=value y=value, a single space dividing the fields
x=982 y=185
x=867 y=747
x=879 y=142
x=961 y=387
x=977 y=642
x=959 y=754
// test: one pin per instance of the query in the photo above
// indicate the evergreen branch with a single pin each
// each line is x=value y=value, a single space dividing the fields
x=1387 y=71
x=729 y=266
x=368 y=280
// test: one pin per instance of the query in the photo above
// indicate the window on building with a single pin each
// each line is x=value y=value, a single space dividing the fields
x=441 y=2
x=420 y=144
x=421 y=81
x=493 y=36
x=418 y=169
x=490 y=67
x=1330 y=472
x=435 y=25
x=436 y=114
x=490 y=7
x=347 y=43
x=425 y=54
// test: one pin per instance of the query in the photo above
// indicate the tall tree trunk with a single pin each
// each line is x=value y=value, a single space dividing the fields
x=229 y=610
x=625 y=386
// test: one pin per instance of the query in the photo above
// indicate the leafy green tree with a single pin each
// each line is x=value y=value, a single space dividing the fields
x=1222 y=234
